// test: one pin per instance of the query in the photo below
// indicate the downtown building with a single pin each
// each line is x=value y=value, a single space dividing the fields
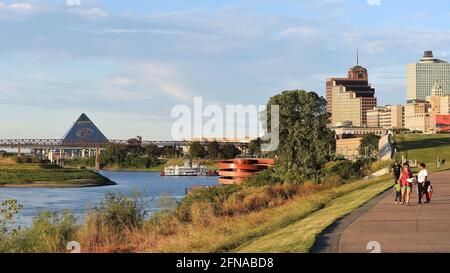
x=439 y=111
x=431 y=115
x=348 y=101
x=387 y=117
x=417 y=116
x=421 y=77
x=350 y=98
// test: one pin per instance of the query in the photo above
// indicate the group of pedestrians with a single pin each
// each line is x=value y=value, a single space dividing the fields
x=404 y=182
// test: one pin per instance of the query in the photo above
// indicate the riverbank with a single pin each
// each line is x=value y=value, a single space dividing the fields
x=207 y=232
x=39 y=175
x=52 y=186
x=150 y=186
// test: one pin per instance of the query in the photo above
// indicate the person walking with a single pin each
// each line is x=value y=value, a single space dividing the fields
x=398 y=193
x=422 y=179
x=405 y=183
x=396 y=170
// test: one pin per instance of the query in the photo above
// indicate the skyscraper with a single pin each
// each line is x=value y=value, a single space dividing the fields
x=350 y=98
x=423 y=75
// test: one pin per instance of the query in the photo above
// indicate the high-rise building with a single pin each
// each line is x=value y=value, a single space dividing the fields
x=388 y=117
x=350 y=98
x=423 y=75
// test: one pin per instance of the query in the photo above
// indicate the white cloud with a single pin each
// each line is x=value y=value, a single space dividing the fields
x=374 y=2
x=16 y=6
x=120 y=81
x=166 y=79
x=73 y=2
x=159 y=31
x=297 y=31
x=143 y=81
x=91 y=13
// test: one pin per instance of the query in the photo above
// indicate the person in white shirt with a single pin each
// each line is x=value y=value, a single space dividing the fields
x=422 y=178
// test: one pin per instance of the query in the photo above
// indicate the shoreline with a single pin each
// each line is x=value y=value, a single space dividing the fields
x=130 y=170
x=54 y=185
x=51 y=186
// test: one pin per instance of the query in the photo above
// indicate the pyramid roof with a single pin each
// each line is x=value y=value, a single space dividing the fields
x=84 y=130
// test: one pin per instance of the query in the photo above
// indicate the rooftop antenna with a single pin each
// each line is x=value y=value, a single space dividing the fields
x=357 y=57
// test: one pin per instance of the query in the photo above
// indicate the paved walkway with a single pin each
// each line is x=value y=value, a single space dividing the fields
x=418 y=228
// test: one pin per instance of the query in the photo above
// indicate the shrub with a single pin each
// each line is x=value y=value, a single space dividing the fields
x=378 y=165
x=163 y=223
x=80 y=162
x=202 y=213
x=49 y=233
x=265 y=177
x=116 y=216
x=118 y=212
x=256 y=201
x=8 y=209
x=331 y=181
x=347 y=170
x=215 y=196
x=28 y=160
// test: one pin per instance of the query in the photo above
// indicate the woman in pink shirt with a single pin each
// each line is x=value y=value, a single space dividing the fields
x=404 y=184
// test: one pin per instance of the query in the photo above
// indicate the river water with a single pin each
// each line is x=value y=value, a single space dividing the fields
x=150 y=185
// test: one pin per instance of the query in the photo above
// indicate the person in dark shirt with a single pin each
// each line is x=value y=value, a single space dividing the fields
x=396 y=170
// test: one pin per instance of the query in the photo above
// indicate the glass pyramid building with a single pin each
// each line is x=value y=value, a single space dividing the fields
x=84 y=131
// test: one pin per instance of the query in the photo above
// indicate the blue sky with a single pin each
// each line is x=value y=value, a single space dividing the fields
x=127 y=63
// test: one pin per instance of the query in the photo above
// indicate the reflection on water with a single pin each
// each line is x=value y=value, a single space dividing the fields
x=79 y=200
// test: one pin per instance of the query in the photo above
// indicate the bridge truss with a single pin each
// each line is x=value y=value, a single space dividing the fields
x=60 y=143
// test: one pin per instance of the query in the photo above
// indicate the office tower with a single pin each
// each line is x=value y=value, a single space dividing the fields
x=350 y=98
x=423 y=75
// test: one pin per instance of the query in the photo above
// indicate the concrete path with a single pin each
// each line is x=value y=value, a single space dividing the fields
x=383 y=226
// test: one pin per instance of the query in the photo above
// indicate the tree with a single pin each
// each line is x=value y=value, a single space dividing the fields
x=196 y=150
x=8 y=210
x=213 y=150
x=152 y=150
x=230 y=151
x=254 y=147
x=305 y=140
x=130 y=156
x=369 y=145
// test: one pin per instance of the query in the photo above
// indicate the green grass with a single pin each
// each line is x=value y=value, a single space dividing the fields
x=34 y=174
x=423 y=148
x=231 y=234
x=300 y=236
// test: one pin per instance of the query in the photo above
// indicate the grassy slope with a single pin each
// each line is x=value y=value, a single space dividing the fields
x=229 y=233
x=423 y=148
x=45 y=174
x=300 y=236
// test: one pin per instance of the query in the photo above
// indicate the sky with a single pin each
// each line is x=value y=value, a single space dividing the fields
x=126 y=64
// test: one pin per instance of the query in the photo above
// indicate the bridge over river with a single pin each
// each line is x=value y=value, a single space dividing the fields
x=85 y=139
x=67 y=144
